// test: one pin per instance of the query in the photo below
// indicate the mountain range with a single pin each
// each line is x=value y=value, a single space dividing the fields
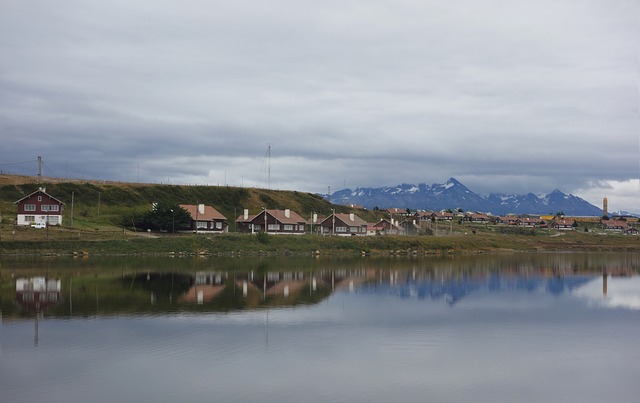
x=454 y=195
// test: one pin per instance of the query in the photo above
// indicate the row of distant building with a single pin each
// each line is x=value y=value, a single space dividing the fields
x=40 y=207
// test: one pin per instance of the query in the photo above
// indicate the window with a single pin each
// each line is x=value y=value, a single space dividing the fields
x=300 y=227
x=39 y=198
x=341 y=229
x=52 y=220
x=219 y=225
x=274 y=227
x=354 y=229
x=50 y=207
x=201 y=224
x=29 y=207
x=29 y=218
x=288 y=227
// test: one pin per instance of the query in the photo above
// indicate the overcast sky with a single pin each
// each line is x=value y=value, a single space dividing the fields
x=509 y=96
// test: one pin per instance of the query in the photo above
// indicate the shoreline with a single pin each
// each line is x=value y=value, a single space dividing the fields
x=232 y=245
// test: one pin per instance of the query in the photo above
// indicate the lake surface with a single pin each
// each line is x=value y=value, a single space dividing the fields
x=550 y=327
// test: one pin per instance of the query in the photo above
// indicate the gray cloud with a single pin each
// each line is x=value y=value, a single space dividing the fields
x=506 y=96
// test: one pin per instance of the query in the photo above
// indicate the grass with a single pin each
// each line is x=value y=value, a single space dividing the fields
x=89 y=238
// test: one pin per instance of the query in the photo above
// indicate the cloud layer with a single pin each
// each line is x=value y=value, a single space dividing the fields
x=508 y=96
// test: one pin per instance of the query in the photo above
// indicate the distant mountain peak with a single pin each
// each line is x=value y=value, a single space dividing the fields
x=453 y=194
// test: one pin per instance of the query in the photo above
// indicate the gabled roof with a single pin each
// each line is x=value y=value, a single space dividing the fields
x=381 y=224
x=209 y=213
x=346 y=218
x=294 y=218
x=40 y=190
x=280 y=215
x=619 y=224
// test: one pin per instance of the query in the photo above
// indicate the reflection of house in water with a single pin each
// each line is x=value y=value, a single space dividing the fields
x=273 y=283
x=37 y=293
x=207 y=286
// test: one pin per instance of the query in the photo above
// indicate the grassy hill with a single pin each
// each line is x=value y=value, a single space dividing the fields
x=99 y=208
x=100 y=203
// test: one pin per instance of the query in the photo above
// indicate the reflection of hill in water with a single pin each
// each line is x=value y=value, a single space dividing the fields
x=136 y=287
x=454 y=289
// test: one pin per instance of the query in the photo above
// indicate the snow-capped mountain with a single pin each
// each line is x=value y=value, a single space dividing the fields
x=453 y=195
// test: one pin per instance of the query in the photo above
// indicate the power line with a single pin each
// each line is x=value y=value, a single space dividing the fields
x=52 y=174
x=19 y=163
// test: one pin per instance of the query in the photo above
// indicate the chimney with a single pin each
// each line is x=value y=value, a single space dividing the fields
x=315 y=217
x=200 y=208
x=287 y=213
x=352 y=216
x=246 y=214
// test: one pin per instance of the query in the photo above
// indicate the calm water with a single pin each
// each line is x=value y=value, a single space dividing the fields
x=497 y=328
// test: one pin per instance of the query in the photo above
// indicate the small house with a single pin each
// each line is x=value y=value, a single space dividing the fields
x=564 y=224
x=39 y=207
x=344 y=225
x=386 y=227
x=206 y=218
x=271 y=222
x=614 y=225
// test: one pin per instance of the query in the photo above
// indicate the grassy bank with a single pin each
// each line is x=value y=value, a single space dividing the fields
x=66 y=242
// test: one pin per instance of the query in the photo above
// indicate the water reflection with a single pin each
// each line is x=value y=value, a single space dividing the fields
x=146 y=292
x=489 y=329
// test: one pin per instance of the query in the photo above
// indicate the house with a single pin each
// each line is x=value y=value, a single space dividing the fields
x=386 y=227
x=206 y=218
x=507 y=220
x=442 y=216
x=423 y=216
x=398 y=211
x=564 y=224
x=531 y=222
x=273 y=221
x=614 y=225
x=631 y=231
x=476 y=218
x=39 y=207
x=37 y=293
x=344 y=225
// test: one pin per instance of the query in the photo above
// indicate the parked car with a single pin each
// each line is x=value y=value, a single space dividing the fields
x=39 y=225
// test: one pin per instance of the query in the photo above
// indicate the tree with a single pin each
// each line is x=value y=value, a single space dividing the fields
x=167 y=217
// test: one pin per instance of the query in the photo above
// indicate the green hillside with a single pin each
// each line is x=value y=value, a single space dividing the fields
x=106 y=203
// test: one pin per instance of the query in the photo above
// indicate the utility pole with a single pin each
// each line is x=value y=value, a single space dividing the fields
x=72 y=197
x=264 y=211
x=333 y=219
x=39 y=168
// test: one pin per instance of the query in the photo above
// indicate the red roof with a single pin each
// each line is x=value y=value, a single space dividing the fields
x=209 y=213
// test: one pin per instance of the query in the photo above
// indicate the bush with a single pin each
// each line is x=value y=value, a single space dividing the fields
x=262 y=237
